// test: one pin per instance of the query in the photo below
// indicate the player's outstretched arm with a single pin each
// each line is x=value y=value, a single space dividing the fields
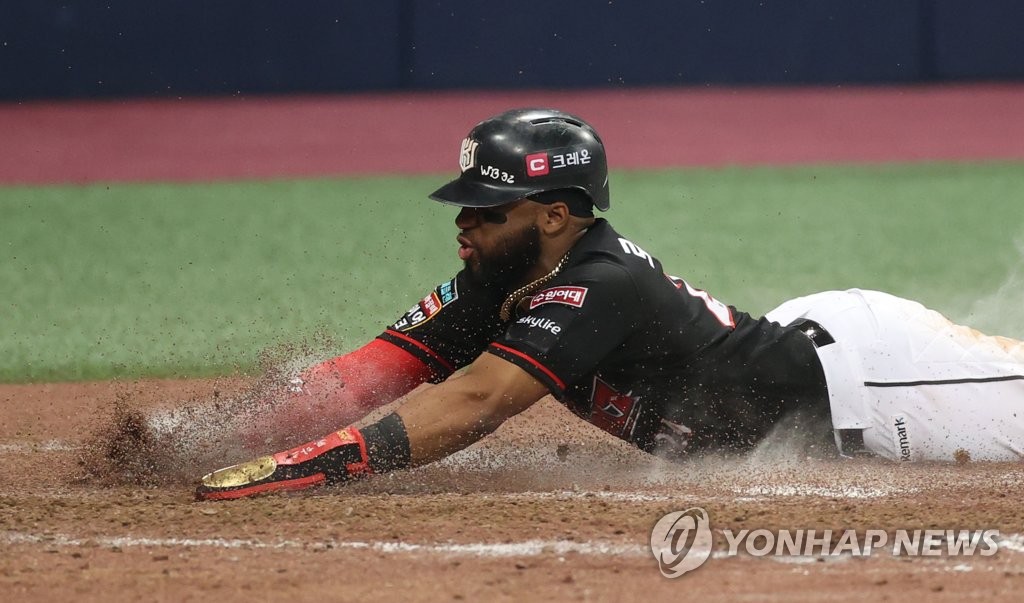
x=466 y=407
x=335 y=392
x=428 y=426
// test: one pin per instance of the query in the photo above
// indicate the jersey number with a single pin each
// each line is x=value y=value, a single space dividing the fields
x=717 y=308
x=632 y=248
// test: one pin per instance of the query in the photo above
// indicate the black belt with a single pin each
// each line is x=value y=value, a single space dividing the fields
x=850 y=441
x=814 y=331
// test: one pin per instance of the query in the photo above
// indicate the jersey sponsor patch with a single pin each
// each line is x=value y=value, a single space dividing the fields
x=431 y=304
x=428 y=307
x=448 y=292
x=542 y=333
x=538 y=322
x=568 y=295
x=537 y=165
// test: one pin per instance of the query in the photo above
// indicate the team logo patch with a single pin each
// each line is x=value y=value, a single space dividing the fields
x=537 y=165
x=568 y=295
x=467 y=154
x=611 y=410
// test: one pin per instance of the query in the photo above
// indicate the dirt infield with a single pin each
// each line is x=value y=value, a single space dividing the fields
x=542 y=513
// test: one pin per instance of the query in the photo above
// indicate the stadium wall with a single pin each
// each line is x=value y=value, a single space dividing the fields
x=81 y=48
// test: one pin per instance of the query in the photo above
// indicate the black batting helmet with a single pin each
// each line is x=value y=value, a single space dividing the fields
x=524 y=152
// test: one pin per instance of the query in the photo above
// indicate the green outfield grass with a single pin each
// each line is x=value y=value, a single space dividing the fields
x=132 y=280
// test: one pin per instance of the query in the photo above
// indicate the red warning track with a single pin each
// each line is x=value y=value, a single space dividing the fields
x=224 y=139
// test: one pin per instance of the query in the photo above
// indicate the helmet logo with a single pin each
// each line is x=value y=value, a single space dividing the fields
x=467 y=155
x=537 y=164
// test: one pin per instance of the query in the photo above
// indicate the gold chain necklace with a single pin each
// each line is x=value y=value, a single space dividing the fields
x=505 y=313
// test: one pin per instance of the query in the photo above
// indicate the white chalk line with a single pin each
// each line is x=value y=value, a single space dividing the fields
x=526 y=548
x=794 y=490
x=1012 y=542
x=634 y=497
x=33 y=447
x=558 y=496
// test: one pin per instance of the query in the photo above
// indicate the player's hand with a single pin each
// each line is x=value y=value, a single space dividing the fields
x=335 y=458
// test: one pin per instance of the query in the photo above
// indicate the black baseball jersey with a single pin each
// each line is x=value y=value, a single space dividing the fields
x=627 y=347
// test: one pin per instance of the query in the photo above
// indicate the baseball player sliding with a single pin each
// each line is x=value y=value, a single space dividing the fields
x=554 y=301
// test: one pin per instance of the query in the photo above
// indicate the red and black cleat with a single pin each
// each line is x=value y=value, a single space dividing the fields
x=335 y=458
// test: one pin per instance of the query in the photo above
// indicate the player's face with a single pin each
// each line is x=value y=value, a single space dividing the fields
x=499 y=245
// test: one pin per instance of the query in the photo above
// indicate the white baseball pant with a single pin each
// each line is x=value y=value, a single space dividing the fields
x=920 y=387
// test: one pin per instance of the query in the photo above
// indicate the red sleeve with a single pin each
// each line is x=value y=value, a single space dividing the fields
x=334 y=394
x=367 y=378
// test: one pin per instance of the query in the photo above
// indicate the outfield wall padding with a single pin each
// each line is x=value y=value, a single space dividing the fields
x=81 y=48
